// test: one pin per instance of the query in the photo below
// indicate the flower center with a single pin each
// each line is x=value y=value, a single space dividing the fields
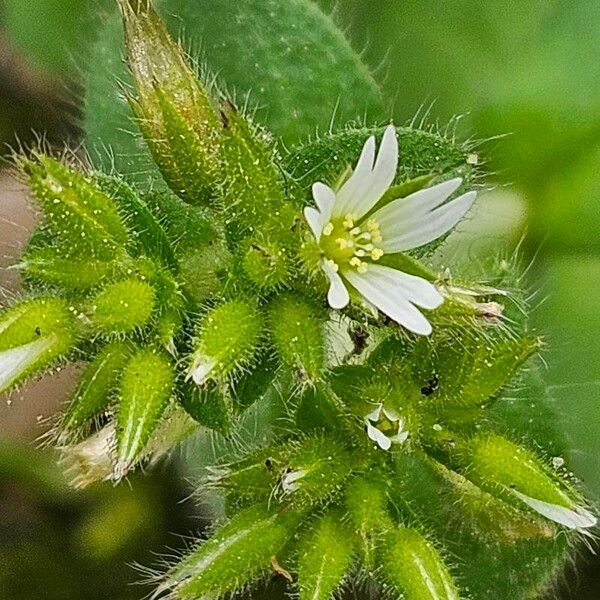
x=348 y=244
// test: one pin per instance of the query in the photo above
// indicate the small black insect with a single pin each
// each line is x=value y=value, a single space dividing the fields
x=269 y=464
x=38 y=331
x=432 y=385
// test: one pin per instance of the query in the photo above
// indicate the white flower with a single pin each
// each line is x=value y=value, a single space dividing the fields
x=354 y=234
x=385 y=427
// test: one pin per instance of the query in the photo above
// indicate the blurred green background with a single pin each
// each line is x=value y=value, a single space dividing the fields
x=523 y=75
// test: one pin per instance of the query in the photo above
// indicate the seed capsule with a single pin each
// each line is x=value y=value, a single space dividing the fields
x=173 y=109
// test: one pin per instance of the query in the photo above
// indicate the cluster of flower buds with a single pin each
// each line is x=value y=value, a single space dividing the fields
x=245 y=280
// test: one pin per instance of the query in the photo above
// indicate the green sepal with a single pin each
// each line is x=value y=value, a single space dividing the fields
x=228 y=338
x=147 y=236
x=297 y=330
x=252 y=386
x=123 y=307
x=209 y=406
x=252 y=479
x=34 y=335
x=237 y=552
x=407 y=264
x=49 y=266
x=83 y=218
x=366 y=504
x=145 y=388
x=324 y=556
x=254 y=190
x=414 y=568
x=95 y=389
x=316 y=469
x=318 y=411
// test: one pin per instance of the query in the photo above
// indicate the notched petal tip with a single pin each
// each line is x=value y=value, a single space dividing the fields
x=576 y=518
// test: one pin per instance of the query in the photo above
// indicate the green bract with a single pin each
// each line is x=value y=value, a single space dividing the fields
x=391 y=459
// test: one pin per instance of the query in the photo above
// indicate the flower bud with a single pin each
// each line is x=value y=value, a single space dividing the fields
x=324 y=557
x=228 y=338
x=33 y=335
x=123 y=307
x=84 y=219
x=415 y=568
x=298 y=335
x=145 y=389
x=516 y=475
x=95 y=388
x=237 y=552
x=174 y=111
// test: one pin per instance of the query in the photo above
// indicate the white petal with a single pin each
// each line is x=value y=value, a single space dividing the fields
x=419 y=203
x=356 y=184
x=201 y=369
x=325 y=198
x=375 y=414
x=366 y=186
x=384 y=172
x=315 y=221
x=415 y=289
x=378 y=437
x=388 y=299
x=15 y=361
x=338 y=296
x=573 y=518
x=424 y=228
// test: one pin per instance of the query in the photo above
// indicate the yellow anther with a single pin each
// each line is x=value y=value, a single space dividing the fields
x=373 y=226
x=349 y=221
x=356 y=262
x=328 y=229
x=376 y=253
x=333 y=265
x=377 y=238
x=341 y=242
x=362 y=268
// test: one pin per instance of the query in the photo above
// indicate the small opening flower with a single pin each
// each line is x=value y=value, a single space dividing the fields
x=354 y=234
x=385 y=427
